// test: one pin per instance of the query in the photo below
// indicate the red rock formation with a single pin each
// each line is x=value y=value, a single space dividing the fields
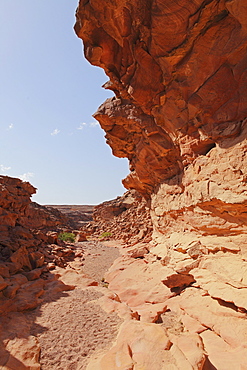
x=23 y=224
x=24 y=240
x=125 y=218
x=178 y=70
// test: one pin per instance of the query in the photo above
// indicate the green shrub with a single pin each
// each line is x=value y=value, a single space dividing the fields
x=106 y=234
x=67 y=237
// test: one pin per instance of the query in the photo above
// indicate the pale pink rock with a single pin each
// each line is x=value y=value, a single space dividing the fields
x=18 y=349
x=139 y=251
x=218 y=287
x=72 y=277
x=23 y=354
x=138 y=283
x=230 y=325
x=191 y=324
x=147 y=346
x=191 y=346
x=221 y=354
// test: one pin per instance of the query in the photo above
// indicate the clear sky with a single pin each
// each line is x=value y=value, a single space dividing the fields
x=48 y=93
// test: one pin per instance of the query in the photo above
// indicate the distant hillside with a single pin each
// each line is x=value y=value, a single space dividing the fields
x=77 y=214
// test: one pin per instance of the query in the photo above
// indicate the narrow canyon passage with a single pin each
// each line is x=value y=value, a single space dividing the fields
x=74 y=326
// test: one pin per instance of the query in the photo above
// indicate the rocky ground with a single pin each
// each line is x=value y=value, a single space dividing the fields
x=68 y=326
x=177 y=301
x=138 y=315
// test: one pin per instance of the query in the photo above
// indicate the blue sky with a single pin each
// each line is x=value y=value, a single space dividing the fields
x=48 y=93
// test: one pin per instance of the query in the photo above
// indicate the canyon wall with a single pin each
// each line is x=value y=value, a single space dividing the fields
x=28 y=233
x=179 y=73
x=24 y=224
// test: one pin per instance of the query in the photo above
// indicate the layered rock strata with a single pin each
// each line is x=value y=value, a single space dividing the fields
x=178 y=71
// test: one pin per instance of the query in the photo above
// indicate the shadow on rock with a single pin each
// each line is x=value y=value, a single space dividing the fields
x=19 y=346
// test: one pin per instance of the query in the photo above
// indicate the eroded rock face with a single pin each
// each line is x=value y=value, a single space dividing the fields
x=178 y=71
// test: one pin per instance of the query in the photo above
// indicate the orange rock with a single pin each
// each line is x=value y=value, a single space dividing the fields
x=125 y=218
x=52 y=237
x=172 y=106
x=37 y=259
x=21 y=259
x=34 y=274
x=80 y=237
x=10 y=290
x=178 y=281
x=3 y=283
x=28 y=296
x=4 y=271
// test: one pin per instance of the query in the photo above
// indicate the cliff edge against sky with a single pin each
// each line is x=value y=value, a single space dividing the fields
x=178 y=71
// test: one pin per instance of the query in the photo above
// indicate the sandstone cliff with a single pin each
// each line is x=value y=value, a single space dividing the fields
x=178 y=71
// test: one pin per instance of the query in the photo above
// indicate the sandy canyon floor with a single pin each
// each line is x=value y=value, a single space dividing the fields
x=70 y=326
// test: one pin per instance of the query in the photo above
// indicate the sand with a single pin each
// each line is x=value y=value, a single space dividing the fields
x=71 y=326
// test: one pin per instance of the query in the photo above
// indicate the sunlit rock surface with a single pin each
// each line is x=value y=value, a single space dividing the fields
x=179 y=73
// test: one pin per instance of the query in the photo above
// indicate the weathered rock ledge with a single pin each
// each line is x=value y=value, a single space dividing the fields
x=178 y=71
